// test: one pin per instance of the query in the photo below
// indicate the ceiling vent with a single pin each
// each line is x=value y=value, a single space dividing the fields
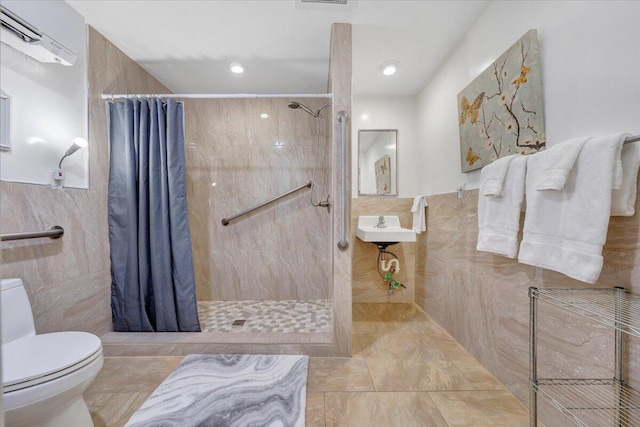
x=19 y=34
x=326 y=4
x=343 y=2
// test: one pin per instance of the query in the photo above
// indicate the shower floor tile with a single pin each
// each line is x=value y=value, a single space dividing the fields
x=307 y=316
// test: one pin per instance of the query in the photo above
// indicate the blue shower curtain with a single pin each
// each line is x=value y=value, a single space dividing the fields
x=152 y=279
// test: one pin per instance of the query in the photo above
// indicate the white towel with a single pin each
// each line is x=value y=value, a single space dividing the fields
x=623 y=199
x=555 y=164
x=493 y=176
x=565 y=230
x=499 y=217
x=419 y=220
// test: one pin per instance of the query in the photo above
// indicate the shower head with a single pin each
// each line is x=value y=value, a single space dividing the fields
x=295 y=105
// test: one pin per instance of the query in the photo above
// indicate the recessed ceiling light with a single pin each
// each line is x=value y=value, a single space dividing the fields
x=364 y=116
x=236 y=67
x=388 y=68
x=264 y=116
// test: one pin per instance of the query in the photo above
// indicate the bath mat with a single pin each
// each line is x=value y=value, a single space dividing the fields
x=229 y=390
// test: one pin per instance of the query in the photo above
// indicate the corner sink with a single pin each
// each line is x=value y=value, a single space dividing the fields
x=368 y=231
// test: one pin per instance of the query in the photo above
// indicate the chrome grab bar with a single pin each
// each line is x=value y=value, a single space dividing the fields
x=54 y=232
x=225 y=221
x=342 y=118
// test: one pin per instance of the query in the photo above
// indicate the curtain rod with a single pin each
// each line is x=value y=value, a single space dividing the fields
x=214 y=95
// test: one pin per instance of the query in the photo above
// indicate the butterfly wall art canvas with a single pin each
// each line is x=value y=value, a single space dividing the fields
x=500 y=111
x=383 y=175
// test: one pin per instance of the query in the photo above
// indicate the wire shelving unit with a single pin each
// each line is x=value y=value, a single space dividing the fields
x=594 y=402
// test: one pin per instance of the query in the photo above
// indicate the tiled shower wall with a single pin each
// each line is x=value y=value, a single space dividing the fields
x=482 y=301
x=340 y=78
x=281 y=251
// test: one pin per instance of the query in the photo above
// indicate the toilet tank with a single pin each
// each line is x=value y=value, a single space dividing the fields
x=16 y=316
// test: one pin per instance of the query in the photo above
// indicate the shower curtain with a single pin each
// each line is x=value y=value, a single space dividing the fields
x=152 y=279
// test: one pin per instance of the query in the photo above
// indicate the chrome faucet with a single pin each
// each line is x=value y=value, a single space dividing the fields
x=381 y=223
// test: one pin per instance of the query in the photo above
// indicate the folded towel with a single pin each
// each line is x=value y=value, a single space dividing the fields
x=556 y=163
x=419 y=220
x=494 y=174
x=623 y=199
x=565 y=230
x=499 y=217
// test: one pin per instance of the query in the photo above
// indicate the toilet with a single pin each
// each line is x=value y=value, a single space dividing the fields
x=43 y=376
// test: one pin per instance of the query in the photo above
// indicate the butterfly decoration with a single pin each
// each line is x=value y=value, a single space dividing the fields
x=472 y=157
x=470 y=110
x=524 y=70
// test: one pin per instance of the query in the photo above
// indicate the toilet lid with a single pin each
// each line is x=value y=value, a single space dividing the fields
x=43 y=355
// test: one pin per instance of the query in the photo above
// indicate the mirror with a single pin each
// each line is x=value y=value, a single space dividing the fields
x=378 y=162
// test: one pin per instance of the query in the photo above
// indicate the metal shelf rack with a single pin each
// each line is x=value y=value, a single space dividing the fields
x=589 y=402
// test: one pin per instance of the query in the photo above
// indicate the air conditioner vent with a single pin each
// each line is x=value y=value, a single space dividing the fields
x=326 y=4
x=19 y=28
x=343 y=2
x=26 y=38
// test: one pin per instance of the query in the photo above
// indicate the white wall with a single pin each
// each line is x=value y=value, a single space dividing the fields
x=389 y=112
x=590 y=75
x=49 y=101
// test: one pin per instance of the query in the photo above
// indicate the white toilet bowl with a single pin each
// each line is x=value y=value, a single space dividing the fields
x=44 y=375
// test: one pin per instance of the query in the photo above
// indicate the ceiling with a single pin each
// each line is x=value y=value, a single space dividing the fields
x=283 y=44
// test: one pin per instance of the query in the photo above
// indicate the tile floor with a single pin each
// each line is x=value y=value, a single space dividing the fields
x=307 y=316
x=405 y=371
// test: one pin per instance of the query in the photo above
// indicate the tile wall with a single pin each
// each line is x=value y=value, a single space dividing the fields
x=340 y=76
x=279 y=252
x=482 y=301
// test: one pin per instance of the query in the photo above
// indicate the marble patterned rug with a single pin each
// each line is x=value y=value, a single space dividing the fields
x=229 y=390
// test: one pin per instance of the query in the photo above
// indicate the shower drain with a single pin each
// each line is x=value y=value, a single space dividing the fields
x=239 y=322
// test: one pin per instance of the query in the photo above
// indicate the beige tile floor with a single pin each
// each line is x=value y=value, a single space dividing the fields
x=405 y=371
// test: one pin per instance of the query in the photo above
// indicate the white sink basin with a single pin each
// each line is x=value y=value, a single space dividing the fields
x=368 y=231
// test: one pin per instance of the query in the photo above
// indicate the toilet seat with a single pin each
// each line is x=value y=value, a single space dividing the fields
x=41 y=358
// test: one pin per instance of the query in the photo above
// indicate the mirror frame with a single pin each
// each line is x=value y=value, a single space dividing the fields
x=394 y=194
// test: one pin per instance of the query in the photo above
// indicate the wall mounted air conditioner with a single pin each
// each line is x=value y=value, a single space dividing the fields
x=19 y=34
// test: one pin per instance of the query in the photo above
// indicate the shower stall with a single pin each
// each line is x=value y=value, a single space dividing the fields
x=266 y=274
x=276 y=279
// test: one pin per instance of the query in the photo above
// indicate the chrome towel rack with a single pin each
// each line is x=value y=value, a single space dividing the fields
x=54 y=232
x=225 y=221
